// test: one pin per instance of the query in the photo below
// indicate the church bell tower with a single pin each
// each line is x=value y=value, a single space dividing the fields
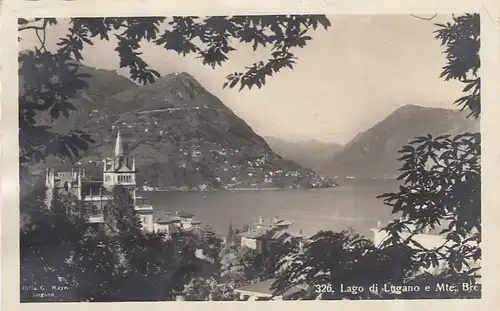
x=120 y=170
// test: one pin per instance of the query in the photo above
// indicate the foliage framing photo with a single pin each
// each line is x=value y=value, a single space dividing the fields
x=441 y=175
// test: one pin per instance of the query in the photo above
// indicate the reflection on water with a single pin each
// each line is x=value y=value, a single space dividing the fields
x=353 y=204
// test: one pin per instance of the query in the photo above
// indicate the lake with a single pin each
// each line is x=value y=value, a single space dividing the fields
x=352 y=204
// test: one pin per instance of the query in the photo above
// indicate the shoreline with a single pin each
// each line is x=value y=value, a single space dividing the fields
x=235 y=189
x=266 y=189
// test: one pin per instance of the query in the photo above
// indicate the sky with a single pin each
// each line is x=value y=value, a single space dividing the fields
x=346 y=79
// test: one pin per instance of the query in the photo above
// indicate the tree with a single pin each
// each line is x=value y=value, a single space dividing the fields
x=212 y=243
x=231 y=235
x=120 y=212
x=441 y=187
x=102 y=271
x=51 y=79
x=265 y=265
x=66 y=204
x=237 y=265
x=462 y=40
x=207 y=289
x=46 y=243
x=331 y=260
x=59 y=249
x=442 y=175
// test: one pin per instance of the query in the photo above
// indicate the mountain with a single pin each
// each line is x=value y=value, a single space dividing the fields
x=101 y=85
x=374 y=153
x=181 y=135
x=312 y=153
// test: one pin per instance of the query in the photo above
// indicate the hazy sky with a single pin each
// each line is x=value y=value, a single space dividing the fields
x=347 y=79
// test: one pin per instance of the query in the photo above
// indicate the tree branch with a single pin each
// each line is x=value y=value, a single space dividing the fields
x=424 y=18
x=30 y=27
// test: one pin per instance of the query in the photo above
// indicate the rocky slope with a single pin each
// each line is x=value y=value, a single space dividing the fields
x=181 y=136
x=374 y=153
x=313 y=154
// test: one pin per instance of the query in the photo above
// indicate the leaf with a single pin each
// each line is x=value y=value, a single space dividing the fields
x=234 y=82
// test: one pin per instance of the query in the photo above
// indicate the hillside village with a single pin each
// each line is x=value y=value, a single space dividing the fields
x=182 y=136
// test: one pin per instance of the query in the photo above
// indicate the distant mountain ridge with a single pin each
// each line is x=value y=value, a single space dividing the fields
x=181 y=135
x=374 y=153
x=311 y=153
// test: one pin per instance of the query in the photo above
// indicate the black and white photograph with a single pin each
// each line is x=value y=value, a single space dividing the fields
x=249 y=157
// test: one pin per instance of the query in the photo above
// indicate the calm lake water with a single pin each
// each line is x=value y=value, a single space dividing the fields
x=352 y=204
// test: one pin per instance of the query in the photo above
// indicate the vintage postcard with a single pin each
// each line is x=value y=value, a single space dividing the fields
x=242 y=156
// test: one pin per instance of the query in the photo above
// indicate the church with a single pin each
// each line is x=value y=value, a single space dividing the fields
x=119 y=170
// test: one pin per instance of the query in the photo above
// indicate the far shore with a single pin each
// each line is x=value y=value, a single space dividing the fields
x=235 y=189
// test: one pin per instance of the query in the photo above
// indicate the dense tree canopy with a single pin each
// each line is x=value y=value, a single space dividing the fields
x=442 y=175
x=331 y=260
x=120 y=212
x=440 y=191
x=51 y=79
x=462 y=41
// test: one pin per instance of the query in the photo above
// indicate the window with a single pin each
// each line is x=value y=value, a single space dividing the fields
x=125 y=178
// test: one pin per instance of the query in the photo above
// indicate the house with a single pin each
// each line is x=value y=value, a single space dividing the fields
x=172 y=223
x=119 y=170
x=263 y=291
x=273 y=222
x=268 y=232
x=166 y=223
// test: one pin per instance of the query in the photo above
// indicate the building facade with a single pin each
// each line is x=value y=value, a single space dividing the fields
x=169 y=223
x=119 y=170
x=268 y=232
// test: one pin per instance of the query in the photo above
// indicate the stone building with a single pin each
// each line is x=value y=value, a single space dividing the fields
x=268 y=232
x=172 y=223
x=119 y=170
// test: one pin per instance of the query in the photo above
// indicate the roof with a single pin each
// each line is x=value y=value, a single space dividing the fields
x=277 y=234
x=263 y=288
x=123 y=166
x=167 y=219
x=269 y=222
x=283 y=222
x=255 y=233
x=269 y=234
x=184 y=214
x=118 y=146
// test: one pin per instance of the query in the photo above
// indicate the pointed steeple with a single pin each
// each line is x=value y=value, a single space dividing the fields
x=118 y=146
